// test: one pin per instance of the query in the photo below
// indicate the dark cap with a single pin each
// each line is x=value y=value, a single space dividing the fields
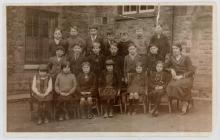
x=60 y=48
x=85 y=63
x=43 y=67
x=139 y=64
x=109 y=62
x=93 y=27
x=74 y=27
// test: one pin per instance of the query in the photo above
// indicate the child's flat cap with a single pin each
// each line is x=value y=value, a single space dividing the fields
x=60 y=48
x=43 y=67
x=109 y=62
x=93 y=27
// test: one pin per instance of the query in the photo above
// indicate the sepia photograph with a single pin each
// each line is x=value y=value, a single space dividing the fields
x=110 y=68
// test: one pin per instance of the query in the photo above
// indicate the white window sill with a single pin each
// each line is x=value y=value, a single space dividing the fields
x=31 y=66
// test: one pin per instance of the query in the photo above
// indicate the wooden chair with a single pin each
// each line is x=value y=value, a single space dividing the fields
x=165 y=101
x=33 y=102
x=117 y=102
x=191 y=102
x=95 y=106
x=141 y=102
x=75 y=110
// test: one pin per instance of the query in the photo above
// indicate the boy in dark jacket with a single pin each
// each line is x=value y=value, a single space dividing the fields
x=73 y=39
x=76 y=58
x=96 y=60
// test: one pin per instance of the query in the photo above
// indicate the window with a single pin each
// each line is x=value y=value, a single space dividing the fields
x=39 y=25
x=128 y=9
x=100 y=20
x=144 y=8
x=135 y=9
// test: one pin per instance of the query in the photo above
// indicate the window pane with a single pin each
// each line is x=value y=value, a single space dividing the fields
x=104 y=20
x=142 y=7
x=29 y=30
x=126 y=8
x=133 y=8
x=37 y=32
x=150 y=7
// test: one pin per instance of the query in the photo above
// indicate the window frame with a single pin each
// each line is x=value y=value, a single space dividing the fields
x=138 y=9
x=130 y=12
x=147 y=10
x=30 y=12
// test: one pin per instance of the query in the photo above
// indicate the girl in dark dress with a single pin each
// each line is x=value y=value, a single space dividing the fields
x=108 y=88
x=86 y=88
x=157 y=83
x=182 y=72
x=137 y=87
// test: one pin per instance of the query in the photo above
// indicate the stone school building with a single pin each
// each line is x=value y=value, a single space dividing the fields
x=30 y=27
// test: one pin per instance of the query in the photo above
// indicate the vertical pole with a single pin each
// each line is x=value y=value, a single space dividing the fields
x=158 y=14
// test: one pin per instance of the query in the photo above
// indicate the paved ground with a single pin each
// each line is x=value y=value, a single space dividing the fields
x=199 y=120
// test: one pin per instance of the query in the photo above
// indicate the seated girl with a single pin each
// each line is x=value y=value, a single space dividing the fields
x=137 y=86
x=108 y=87
x=86 y=88
x=157 y=83
x=42 y=87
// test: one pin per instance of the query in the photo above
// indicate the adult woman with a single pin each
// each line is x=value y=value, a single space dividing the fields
x=182 y=72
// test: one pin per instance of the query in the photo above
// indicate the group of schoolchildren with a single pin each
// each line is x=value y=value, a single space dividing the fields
x=81 y=70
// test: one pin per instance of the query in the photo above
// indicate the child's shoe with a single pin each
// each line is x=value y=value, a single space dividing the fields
x=67 y=117
x=134 y=112
x=110 y=115
x=152 y=111
x=105 y=115
x=61 y=118
x=46 y=120
x=39 y=122
x=156 y=113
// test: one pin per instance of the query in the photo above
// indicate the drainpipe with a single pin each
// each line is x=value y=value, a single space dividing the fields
x=172 y=28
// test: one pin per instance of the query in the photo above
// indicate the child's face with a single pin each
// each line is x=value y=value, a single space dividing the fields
x=139 y=32
x=113 y=49
x=57 y=34
x=86 y=69
x=96 y=48
x=77 y=49
x=109 y=68
x=59 y=53
x=73 y=32
x=139 y=69
x=159 y=67
x=158 y=30
x=124 y=36
x=176 y=50
x=93 y=31
x=153 y=50
x=66 y=69
x=110 y=37
x=132 y=50
x=42 y=73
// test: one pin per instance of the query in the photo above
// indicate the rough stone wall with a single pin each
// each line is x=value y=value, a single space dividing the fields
x=193 y=27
